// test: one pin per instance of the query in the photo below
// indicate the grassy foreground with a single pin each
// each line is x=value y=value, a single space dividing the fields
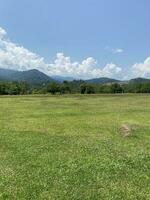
x=74 y=147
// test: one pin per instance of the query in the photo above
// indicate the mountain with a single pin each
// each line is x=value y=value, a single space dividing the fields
x=33 y=77
x=62 y=78
x=139 y=80
x=6 y=74
x=102 y=80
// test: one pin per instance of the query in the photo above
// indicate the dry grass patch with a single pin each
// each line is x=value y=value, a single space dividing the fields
x=127 y=129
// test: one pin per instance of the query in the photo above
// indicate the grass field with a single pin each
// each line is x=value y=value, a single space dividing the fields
x=75 y=147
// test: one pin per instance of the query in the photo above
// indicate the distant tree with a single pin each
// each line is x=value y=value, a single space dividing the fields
x=87 y=88
x=62 y=89
x=90 y=89
x=83 y=88
x=145 y=88
x=53 y=88
x=65 y=87
x=133 y=87
x=106 y=89
x=14 y=88
x=116 y=88
x=24 y=88
x=2 y=88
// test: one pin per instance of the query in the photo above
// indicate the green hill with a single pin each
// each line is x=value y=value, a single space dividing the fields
x=33 y=77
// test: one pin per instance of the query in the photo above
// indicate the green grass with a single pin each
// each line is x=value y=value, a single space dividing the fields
x=71 y=147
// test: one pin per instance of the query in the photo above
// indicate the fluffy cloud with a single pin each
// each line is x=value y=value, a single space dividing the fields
x=2 y=33
x=86 y=69
x=13 y=56
x=142 y=69
x=111 y=69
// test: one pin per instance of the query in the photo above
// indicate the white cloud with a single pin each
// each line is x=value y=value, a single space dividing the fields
x=86 y=69
x=2 y=33
x=111 y=69
x=16 y=57
x=142 y=69
x=13 y=56
x=117 y=50
x=114 y=50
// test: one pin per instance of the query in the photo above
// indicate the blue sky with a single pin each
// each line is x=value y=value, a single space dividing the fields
x=113 y=32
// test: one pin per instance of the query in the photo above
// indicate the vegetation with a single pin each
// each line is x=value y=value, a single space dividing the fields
x=75 y=147
x=14 y=88
x=36 y=82
x=73 y=87
x=87 y=89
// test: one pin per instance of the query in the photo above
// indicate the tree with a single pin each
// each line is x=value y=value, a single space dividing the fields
x=62 y=89
x=83 y=88
x=116 y=88
x=145 y=88
x=90 y=89
x=87 y=89
x=2 y=88
x=65 y=88
x=24 y=88
x=53 y=88
x=106 y=89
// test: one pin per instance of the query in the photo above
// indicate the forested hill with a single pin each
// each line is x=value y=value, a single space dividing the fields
x=32 y=77
x=102 y=80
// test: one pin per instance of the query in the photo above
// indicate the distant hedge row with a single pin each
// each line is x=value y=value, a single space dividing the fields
x=73 y=87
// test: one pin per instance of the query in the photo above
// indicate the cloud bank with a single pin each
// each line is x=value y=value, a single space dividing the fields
x=142 y=69
x=17 y=57
x=86 y=69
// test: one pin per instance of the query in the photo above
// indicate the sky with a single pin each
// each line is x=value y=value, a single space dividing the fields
x=80 y=38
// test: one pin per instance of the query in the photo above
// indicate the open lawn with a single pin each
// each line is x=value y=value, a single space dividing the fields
x=75 y=147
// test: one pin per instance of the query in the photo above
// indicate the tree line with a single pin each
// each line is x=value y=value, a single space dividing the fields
x=73 y=87
x=14 y=88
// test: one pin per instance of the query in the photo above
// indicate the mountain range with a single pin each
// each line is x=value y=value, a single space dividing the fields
x=36 y=77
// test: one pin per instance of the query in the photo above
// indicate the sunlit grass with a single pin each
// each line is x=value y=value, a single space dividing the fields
x=71 y=147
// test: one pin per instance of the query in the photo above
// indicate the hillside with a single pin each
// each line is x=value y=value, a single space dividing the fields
x=33 y=77
x=139 y=80
x=62 y=78
x=102 y=80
